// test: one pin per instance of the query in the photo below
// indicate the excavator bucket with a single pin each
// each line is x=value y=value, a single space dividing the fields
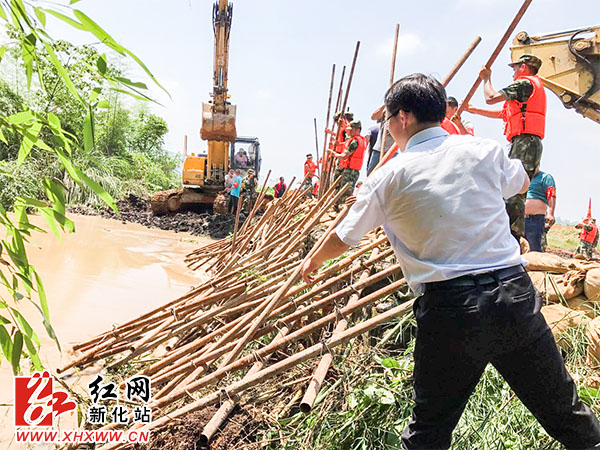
x=218 y=126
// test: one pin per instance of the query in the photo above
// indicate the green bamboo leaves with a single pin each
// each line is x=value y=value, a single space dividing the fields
x=43 y=132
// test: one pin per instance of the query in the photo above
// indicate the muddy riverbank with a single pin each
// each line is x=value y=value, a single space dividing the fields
x=135 y=209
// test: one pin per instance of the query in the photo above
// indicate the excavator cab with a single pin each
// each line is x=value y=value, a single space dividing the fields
x=245 y=155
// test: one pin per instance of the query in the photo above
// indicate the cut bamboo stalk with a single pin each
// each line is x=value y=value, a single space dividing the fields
x=223 y=412
x=325 y=362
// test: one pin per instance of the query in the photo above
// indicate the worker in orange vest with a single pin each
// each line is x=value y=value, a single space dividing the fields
x=310 y=172
x=588 y=237
x=524 y=115
x=452 y=123
x=351 y=160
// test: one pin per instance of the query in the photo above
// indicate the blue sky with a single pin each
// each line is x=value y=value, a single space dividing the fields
x=280 y=63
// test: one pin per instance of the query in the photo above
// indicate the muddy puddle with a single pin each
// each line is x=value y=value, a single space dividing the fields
x=105 y=273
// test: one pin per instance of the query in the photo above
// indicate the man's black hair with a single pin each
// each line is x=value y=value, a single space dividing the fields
x=419 y=94
x=452 y=102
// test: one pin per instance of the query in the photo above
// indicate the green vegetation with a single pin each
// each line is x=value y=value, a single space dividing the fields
x=64 y=136
x=366 y=401
x=561 y=237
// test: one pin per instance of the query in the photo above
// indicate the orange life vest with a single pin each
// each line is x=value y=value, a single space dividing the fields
x=355 y=160
x=311 y=169
x=450 y=126
x=588 y=236
x=337 y=143
x=528 y=117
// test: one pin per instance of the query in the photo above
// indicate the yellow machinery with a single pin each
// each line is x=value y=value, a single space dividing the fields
x=570 y=66
x=204 y=175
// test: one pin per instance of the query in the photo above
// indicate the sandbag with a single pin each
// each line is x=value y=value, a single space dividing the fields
x=569 y=284
x=559 y=318
x=581 y=303
x=547 y=262
x=591 y=285
x=593 y=337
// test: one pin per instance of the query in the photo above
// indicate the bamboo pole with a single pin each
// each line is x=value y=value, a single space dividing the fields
x=320 y=372
x=221 y=415
x=495 y=53
x=461 y=61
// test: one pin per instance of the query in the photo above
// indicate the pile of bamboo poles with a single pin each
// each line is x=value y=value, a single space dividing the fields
x=228 y=334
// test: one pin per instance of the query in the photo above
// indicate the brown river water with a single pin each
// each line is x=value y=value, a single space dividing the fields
x=105 y=273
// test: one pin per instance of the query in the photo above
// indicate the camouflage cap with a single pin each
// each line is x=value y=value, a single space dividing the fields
x=533 y=61
x=349 y=115
x=251 y=172
x=356 y=124
x=309 y=155
x=337 y=115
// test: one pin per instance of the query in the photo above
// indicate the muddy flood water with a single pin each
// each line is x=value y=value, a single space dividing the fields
x=105 y=273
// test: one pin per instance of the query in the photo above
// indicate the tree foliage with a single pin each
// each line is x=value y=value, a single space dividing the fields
x=51 y=131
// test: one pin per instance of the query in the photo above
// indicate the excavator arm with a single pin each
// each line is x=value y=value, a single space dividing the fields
x=218 y=116
x=570 y=66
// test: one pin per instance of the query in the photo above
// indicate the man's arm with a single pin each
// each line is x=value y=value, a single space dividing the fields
x=550 y=211
x=492 y=96
x=331 y=248
x=491 y=113
x=525 y=185
x=378 y=113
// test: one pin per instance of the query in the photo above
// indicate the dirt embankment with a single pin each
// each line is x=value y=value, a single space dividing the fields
x=136 y=209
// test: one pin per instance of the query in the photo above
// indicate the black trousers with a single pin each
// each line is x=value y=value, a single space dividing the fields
x=460 y=329
x=232 y=206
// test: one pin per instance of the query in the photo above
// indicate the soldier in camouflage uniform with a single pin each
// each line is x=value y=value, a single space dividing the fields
x=589 y=229
x=524 y=146
x=310 y=172
x=249 y=191
x=349 y=175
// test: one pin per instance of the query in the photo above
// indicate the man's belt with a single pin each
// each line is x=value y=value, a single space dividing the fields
x=474 y=280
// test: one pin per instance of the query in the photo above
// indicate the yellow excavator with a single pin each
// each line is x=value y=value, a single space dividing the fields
x=204 y=175
x=570 y=66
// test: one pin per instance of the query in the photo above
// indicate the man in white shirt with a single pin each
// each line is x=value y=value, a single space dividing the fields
x=441 y=202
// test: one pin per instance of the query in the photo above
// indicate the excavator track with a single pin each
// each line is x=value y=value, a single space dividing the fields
x=165 y=202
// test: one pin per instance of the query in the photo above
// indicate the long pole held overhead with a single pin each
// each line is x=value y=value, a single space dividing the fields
x=495 y=54
x=394 y=54
x=328 y=112
x=461 y=61
x=316 y=141
x=386 y=154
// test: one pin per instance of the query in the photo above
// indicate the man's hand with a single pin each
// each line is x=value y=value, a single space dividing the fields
x=456 y=119
x=308 y=268
x=485 y=74
x=350 y=201
x=550 y=220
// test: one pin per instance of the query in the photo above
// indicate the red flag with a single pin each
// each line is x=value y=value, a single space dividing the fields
x=589 y=214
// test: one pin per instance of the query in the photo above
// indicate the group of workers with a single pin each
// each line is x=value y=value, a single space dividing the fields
x=443 y=203
x=524 y=112
x=236 y=187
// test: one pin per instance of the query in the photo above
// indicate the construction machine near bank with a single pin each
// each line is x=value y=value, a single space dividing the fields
x=203 y=179
x=570 y=66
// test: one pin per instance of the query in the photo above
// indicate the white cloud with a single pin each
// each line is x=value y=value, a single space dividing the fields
x=408 y=44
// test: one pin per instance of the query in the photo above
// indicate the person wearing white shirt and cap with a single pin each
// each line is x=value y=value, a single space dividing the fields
x=441 y=203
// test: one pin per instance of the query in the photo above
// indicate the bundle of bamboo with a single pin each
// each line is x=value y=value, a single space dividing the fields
x=254 y=306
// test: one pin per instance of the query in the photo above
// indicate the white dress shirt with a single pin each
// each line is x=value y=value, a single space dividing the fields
x=441 y=203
